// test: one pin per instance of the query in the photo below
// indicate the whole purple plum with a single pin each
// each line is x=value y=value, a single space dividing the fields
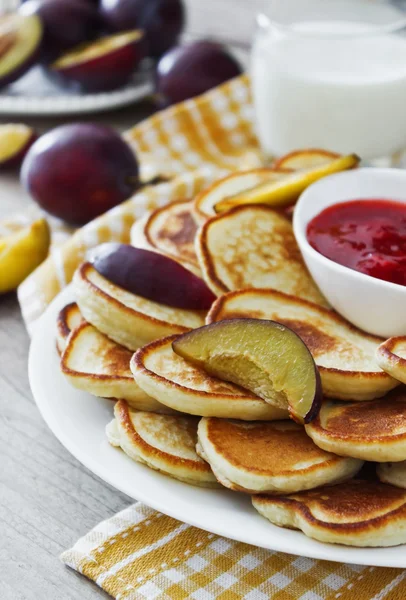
x=162 y=20
x=77 y=172
x=66 y=23
x=192 y=69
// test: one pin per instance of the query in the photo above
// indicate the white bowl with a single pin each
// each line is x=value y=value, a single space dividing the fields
x=376 y=306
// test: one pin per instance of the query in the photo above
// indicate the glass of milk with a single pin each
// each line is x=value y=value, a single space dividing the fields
x=330 y=74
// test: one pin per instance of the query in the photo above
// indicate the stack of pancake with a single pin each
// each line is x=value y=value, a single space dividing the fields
x=174 y=417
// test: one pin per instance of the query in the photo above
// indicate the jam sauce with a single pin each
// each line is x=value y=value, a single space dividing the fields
x=366 y=235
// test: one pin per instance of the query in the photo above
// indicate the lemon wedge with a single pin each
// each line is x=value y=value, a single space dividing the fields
x=21 y=252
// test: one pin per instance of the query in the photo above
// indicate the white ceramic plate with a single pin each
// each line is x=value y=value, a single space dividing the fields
x=34 y=94
x=78 y=421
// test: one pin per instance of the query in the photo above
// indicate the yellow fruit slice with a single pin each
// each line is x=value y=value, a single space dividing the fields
x=286 y=190
x=305 y=159
x=21 y=253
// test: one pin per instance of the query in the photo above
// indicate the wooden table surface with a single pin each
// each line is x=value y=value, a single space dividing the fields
x=47 y=498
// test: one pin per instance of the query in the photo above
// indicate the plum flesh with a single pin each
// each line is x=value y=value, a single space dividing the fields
x=20 y=43
x=264 y=357
x=153 y=276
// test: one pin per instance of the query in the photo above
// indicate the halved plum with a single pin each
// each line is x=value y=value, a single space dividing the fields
x=20 y=42
x=102 y=65
x=153 y=276
x=15 y=141
x=264 y=357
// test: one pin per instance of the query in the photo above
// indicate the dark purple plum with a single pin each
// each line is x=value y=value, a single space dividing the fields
x=77 y=172
x=192 y=69
x=66 y=23
x=102 y=65
x=153 y=276
x=20 y=44
x=162 y=20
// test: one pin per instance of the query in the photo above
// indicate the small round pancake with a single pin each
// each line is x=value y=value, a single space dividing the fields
x=68 y=319
x=126 y=318
x=391 y=357
x=179 y=385
x=170 y=230
x=93 y=363
x=275 y=458
x=253 y=246
x=162 y=442
x=374 y=430
x=393 y=473
x=355 y=513
x=344 y=354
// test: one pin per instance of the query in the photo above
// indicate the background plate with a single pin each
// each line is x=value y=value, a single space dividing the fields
x=78 y=421
x=34 y=94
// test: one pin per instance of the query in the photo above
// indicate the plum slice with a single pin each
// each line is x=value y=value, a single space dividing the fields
x=285 y=191
x=264 y=357
x=15 y=140
x=102 y=65
x=153 y=276
x=20 y=41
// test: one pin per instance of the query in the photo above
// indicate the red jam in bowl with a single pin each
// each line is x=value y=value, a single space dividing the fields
x=366 y=235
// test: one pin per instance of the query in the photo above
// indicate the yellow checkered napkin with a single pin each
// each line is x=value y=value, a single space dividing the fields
x=141 y=554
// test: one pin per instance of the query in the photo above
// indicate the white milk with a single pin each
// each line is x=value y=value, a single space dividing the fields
x=330 y=85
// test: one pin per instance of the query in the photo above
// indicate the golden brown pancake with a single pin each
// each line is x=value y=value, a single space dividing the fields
x=162 y=442
x=253 y=246
x=374 y=430
x=126 y=318
x=391 y=357
x=93 y=363
x=273 y=457
x=393 y=473
x=355 y=513
x=68 y=319
x=181 y=386
x=170 y=230
x=344 y=354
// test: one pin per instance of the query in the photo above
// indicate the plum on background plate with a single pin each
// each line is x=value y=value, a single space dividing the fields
x=20 y=43
x=153 y=276
x=162 y=20
x=76 y=172
x=102 y=65
x=190 y=70
x=15 y=141
x=66 y=23
x=264 y=357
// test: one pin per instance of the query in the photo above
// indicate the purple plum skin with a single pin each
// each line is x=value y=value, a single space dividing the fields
x=153 y=276
x=162 y=20
x=190 y=70
x=105 y=72
x=77 y=172
x=67 y=23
